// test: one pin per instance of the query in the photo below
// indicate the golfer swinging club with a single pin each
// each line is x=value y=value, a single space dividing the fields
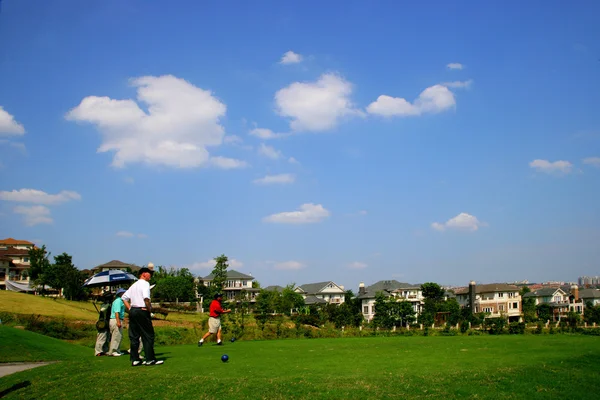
x=214 y=319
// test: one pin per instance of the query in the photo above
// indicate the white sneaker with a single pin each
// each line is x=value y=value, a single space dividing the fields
x=116 y=354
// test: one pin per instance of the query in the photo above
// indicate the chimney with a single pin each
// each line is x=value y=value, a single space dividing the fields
x=472 y=288
x=575 y=293
x=361 y=288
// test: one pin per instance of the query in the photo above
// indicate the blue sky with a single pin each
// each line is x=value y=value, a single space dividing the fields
x=374 y=140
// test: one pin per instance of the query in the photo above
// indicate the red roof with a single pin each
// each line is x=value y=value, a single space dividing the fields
x=15 y=242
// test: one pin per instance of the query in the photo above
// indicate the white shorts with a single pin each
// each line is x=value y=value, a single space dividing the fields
x=214 y=324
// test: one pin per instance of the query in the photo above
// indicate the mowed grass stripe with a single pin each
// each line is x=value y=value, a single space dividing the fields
x=507 y=367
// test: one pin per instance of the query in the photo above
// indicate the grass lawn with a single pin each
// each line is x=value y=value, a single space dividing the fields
x=494 y=367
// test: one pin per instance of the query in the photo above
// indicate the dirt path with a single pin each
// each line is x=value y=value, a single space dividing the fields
x=11 y=368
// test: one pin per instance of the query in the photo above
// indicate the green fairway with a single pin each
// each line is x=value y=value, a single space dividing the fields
x=507 y=367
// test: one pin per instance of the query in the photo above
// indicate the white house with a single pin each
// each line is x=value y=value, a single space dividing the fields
x=321 y=292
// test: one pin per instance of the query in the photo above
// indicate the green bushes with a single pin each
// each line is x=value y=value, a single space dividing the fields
x=516 y=328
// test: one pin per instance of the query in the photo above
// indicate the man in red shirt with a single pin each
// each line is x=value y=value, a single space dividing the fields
x=214 y=319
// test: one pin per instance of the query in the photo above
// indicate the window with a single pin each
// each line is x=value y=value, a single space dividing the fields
x=365 y=309
x=510 y=295
x=557 y=299
x=500 y=294
x=487 y=309
x=501 y=307
x=25 y=259
x=515 y=305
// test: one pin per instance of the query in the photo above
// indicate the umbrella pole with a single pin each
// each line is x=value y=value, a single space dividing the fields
x=94 y=303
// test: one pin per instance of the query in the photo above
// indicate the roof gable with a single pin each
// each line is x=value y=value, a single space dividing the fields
x=231 y=274
x=545 y=292
x=312 y=288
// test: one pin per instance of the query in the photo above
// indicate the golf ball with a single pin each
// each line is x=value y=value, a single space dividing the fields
x=224 y=358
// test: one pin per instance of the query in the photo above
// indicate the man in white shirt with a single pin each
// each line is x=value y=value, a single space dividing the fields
x=137 y=301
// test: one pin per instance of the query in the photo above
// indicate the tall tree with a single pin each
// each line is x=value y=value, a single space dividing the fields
x=39 y=264
x=219 y=273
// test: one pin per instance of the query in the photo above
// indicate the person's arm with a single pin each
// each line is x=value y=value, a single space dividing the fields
x=118 y=318
x=127 y=305
x=148 y=305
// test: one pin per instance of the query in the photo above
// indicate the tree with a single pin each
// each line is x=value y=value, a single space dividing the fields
x=544 y=312
x=406 y=313
x=290 y=300
x=432 y=291
x=454 y=313
x=39 y=264
x=528 y=307
x=433 y=303
x=219 y=273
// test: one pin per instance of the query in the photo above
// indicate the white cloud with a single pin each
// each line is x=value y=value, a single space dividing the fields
x=462 y=221
x=291 y=58
x=210 y=264
x=316 y=106
x=34 y=215
x=232 y=139
x=432 y=100
x=142 y=235
x=8 y=125
x=227 y=163
x=292 y=160
x=181 y=122
x=266 y=134
x=458 y=66
x=595 y=161
x=269 y=152
x=357 y=265
x=557 y=167
x=124 y=234
x=38 y=196
x=459 y=84
x=307 y=213
x=275 y=179
x=289 y=265
x=37 y=214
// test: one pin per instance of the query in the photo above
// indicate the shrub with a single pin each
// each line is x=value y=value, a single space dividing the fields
x=464 y=326
x=516 y=328
x=495 y=325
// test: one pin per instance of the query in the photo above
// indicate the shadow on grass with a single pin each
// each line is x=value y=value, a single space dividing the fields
x=15 y=387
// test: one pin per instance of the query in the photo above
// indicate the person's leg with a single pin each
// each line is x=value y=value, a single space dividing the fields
x=100 y=341
x=219 y=335
x=147 y=332
x=134 y=334
x=116 y=335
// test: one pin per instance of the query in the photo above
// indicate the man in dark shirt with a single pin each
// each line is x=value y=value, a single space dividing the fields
x=214 y=319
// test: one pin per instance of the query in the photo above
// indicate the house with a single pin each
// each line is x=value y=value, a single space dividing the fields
x=496 y=299
x=556 y=298
x=321 y=293
x=17 y=244
x=116 y=264
x=388 y=288
x=590 y=296
x=236 y=283
x=14 y=268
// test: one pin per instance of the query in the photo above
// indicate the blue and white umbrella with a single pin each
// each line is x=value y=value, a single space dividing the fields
x=110 y=277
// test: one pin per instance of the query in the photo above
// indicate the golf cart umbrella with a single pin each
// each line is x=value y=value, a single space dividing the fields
x=109 y=278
